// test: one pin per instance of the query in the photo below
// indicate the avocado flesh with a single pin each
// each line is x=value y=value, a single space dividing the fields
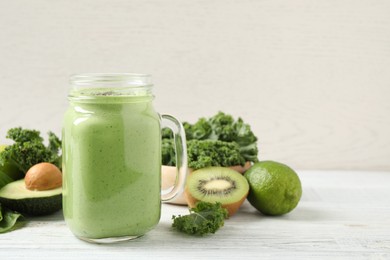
x=16 y=196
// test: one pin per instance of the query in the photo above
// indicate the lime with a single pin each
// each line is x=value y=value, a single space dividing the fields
x=275 y=188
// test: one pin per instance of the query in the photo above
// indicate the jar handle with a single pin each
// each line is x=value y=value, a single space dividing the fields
x=180 y=146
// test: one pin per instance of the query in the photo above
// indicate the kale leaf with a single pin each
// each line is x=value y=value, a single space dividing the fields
x=203 y=219
x=217 y=141
x=200 y=130
x=205 y=153
x=168 y=152
x=28 y=149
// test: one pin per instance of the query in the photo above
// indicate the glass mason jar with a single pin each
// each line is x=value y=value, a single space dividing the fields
x=112 y=157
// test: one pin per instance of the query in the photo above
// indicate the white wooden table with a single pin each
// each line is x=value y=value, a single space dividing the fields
x=341 y=215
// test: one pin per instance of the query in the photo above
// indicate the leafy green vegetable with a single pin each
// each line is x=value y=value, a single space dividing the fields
x=8 y=219
x=203 y=219
x=168 y=152
x=4 y=179
x=29 y=149
x=200 y=130
x=11 y=172
x=220 y=131
x=205 y=153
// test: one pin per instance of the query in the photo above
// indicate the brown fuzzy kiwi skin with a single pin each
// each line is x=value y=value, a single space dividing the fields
x=231 y=208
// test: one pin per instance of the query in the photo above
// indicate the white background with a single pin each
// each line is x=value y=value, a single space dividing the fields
x=312 y=78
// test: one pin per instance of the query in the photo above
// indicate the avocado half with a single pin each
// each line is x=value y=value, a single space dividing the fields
x=16 y=196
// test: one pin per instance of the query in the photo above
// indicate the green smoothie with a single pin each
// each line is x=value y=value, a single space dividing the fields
x=112 y=166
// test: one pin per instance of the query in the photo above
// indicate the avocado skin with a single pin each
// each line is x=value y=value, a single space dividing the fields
x=34 y=206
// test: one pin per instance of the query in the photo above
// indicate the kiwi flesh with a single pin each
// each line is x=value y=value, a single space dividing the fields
x=217 y=184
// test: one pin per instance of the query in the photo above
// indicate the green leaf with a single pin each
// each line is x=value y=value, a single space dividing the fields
x=4 y=179
x=8 y=219
x=206 y=153
x=203 y=219
x=29 y=149
x=202 y=152
x=168 y=152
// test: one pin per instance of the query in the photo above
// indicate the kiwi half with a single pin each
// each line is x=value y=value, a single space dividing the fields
x=217 y=184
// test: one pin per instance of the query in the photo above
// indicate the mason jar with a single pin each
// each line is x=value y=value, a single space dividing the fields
x=112 y=157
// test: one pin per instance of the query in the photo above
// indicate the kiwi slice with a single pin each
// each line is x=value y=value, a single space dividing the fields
x=217 y=184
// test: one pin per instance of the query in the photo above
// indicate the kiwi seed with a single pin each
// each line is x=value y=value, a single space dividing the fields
x=217 y=184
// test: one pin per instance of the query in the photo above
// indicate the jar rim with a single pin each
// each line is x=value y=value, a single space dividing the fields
x=110 y=84
x=107 y=79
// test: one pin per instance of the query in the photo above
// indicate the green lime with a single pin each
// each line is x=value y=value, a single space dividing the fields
x=275 y=188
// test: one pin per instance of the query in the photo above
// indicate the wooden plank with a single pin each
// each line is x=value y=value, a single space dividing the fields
x=341 y=214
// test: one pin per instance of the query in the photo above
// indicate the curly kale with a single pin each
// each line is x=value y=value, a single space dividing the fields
x=168 y=152
x=200 y=130
x=166 y=133
x=221 y=131
x=205 y=153
x=28 y=149
x=203 y=219
x=20 y=135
